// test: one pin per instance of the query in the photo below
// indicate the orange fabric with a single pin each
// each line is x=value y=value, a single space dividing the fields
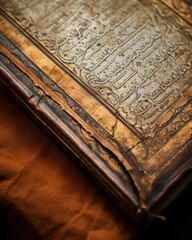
x=47 y=188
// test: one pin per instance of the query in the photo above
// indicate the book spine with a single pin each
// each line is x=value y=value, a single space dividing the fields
x=38 y=107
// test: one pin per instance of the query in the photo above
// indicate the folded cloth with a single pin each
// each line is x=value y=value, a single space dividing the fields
x=52 y=193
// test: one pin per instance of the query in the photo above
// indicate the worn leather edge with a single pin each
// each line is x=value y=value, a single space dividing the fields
x=83 y=156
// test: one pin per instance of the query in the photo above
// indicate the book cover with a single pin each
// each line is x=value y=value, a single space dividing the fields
x=112 y=82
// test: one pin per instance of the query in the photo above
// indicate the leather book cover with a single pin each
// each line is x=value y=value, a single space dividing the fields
x=112 y=82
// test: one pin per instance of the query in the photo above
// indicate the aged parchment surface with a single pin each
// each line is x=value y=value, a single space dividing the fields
x=134 y=56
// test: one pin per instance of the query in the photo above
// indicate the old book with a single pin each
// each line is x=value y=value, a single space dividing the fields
x=112 y=82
